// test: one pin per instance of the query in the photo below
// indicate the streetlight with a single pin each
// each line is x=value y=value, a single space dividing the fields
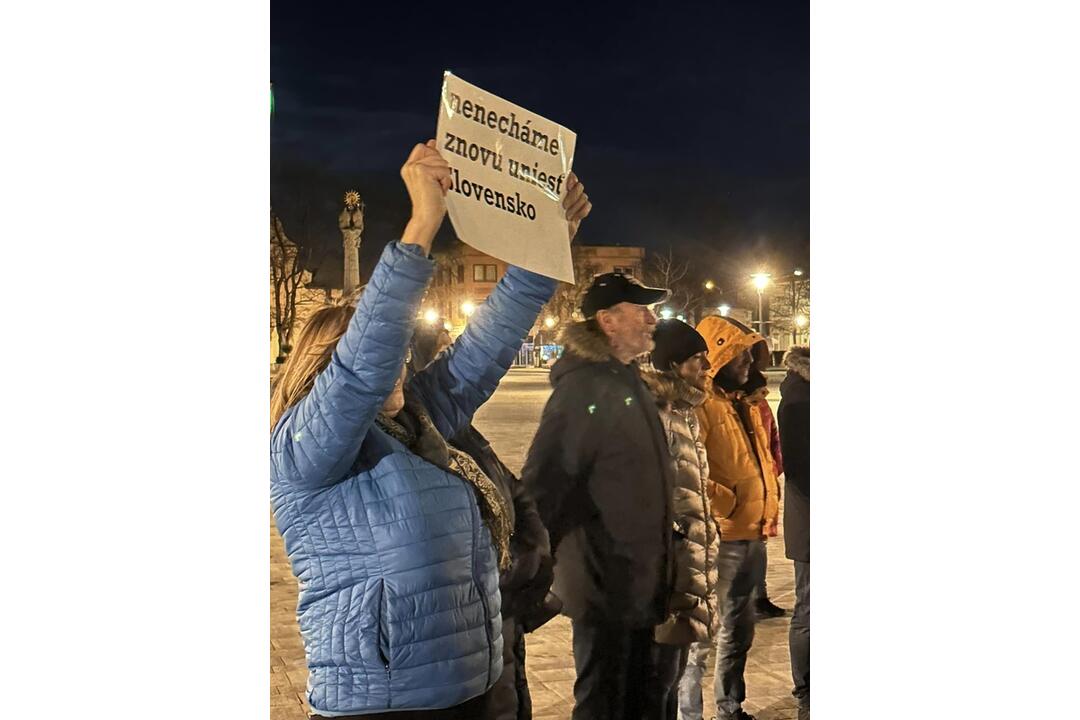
x=538 y=341
x=468 y=308
x=430 y=316
x=761 y=281
x=666 y=313
x=709 y=284
x=724 y=310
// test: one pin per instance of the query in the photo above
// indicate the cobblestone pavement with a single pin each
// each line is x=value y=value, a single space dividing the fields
x=509 y=420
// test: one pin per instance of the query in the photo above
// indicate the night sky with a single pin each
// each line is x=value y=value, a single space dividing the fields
x=693 y=121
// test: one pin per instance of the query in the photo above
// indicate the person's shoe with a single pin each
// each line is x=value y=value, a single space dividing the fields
x=764 y=609
x=739 y=714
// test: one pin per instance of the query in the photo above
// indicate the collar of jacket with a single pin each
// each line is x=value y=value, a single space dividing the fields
x=586 y=343
x=758 y=395
x=669 y=388
x=732 y=396
x=797 y=360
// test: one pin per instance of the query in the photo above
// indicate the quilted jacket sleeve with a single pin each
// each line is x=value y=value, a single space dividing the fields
x=463 y=377
x=317 y=440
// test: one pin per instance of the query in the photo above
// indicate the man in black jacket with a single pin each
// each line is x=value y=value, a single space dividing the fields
x=600 y=473
x=794 y=421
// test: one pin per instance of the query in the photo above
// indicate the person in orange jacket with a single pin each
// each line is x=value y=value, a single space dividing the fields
x=740 y=464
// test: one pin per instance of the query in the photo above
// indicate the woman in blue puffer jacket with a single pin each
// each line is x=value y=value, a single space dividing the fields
x=396 y=538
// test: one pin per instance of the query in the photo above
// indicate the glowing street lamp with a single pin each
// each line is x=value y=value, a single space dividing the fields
x=709 y=284
x=430 y=316
x=724 y=310
x=761 y=281
x=800 y=320
x=549 y=322
x=666 y=313
x=468 y=308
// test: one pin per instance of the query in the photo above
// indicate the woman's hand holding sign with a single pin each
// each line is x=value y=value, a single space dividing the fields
x=576 y=204
x=427 y=178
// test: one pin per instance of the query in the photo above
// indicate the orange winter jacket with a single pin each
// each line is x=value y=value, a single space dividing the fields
x=743 y=488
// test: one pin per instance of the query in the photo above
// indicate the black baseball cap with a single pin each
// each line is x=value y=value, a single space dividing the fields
x=612 y=288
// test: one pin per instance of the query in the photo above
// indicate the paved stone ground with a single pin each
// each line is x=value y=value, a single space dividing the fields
x=509 y=420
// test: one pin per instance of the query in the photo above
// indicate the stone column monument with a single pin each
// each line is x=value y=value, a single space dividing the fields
x=351 y=224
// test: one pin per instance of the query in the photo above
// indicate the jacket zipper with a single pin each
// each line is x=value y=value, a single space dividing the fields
x=691 y=424
x=384 y=636
x=477 y=521
x=751 y=437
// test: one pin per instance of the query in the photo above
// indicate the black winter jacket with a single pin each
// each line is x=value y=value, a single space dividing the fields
x=527 y=581
x=601 y=475
x=793 y=417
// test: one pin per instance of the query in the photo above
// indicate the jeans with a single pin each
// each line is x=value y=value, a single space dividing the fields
x=762 y=588
x=741 y=563
x=799 y=635
x=617 y=673
x=690 y=684
x=669 y=661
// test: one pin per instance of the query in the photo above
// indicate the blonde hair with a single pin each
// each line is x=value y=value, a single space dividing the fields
x=311 y=353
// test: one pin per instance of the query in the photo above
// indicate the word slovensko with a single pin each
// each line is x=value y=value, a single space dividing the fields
x=513 y=205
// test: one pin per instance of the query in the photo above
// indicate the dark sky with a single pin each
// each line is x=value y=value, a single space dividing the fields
x=693 y=120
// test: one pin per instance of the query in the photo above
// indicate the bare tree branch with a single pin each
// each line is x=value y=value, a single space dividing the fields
x=288 y=262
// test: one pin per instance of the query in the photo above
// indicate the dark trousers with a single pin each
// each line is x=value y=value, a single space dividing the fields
x=799 y=635
x=669 y=662
x=617 y=677
x=741 y=564
x=509 y=699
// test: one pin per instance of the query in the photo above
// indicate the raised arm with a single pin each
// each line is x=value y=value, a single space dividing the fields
x=462 y=378
x=317 y=439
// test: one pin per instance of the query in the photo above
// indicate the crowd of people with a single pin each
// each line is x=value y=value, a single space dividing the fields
x=642 y=510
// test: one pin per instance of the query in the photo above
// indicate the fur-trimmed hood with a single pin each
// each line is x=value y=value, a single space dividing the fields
x=586 y=341
x=797 y=360
x=668 y=388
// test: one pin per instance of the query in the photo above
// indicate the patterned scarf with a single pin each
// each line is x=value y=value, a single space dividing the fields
x=412 y=427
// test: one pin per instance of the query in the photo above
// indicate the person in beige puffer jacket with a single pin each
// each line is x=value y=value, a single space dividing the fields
x=679 y=381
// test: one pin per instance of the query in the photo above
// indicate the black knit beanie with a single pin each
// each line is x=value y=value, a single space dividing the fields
x=676 y=342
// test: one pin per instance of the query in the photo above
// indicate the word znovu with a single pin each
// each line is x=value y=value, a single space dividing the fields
x=520 y=171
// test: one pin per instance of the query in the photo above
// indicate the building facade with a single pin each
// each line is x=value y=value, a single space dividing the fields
x=464 y=277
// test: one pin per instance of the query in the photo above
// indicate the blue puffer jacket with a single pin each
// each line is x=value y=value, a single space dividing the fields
x=399 y=586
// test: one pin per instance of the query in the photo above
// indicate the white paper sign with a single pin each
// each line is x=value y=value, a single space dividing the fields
x=509 y=177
